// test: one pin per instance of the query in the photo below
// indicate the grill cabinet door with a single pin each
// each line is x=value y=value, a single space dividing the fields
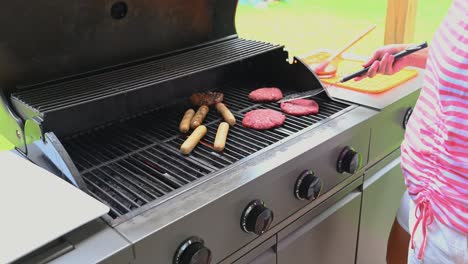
x=382 y=193
x=329 y=238
x=269 y=257
x=265 y=253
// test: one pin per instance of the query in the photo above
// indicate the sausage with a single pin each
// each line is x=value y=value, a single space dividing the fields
x=226 y=113
x=199 y=116
x=221 y=135
x=192 y=141
x=184 y=126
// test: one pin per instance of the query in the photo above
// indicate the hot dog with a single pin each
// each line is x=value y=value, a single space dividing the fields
x=221 y=135
x=226 y=113
x=184 y=126
x=199 y=116
x=192 y=141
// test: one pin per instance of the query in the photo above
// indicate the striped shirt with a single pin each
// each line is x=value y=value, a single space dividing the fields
x=435 y=149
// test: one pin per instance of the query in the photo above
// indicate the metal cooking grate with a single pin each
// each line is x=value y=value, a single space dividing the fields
x=132 y=163
x=50 y=98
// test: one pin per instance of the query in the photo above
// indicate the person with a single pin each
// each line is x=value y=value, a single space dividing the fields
x=434 y=155
x=399 y=237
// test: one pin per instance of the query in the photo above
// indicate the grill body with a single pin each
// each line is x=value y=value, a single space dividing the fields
x=120 y=140
x=119 y=129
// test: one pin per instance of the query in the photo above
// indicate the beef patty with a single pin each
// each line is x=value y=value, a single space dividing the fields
x=272 y=94
x=262 y=119
x=210 y=98
x=300 y=107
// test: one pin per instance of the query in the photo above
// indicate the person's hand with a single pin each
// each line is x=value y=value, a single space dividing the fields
x=383 y=61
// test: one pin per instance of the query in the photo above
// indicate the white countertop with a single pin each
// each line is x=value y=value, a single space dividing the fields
x=38 y=207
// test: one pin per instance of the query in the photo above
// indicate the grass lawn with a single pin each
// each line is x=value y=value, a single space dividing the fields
x=306 y=25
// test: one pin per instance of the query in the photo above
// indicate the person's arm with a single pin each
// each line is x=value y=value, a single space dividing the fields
x=383 y=61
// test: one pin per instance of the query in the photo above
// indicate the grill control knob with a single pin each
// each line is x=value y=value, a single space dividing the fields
x=349 y=161
x=256 y=218
x=308 y=186
x=193 y=251
x=407 y=117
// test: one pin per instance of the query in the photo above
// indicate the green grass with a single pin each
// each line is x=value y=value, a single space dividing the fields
x=307 y=25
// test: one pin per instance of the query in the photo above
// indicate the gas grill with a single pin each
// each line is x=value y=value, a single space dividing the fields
x=107 y=121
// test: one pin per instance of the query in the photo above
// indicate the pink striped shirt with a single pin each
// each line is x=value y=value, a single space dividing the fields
x=435 y=149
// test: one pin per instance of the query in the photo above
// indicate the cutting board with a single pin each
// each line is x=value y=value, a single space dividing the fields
x=378 y=84
x=38 y=207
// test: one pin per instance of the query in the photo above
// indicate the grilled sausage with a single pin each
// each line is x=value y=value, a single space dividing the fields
x=199 y=116
x=226 y=113
x=192 y=141
x=221 y=135
x=184 y=126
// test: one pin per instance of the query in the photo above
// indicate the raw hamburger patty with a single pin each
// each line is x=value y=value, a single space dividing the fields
x=300 y=107
x=263 y=119
x=210 y=98
x=272 y=94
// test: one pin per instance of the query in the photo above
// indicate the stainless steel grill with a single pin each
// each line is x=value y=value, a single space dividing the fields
x=134 y=162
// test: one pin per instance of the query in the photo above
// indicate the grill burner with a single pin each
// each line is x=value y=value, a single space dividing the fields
x=132 y=163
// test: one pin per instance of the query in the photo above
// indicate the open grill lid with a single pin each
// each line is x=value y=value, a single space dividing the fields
x=53 y=39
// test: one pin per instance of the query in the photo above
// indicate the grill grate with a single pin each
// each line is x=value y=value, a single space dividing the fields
x=52 y=97
x=135 y=162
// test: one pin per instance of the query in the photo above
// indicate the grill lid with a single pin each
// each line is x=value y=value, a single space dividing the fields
x=53 y=39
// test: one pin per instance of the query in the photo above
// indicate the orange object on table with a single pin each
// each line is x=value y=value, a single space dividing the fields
x=378 y=84
x=322 y=67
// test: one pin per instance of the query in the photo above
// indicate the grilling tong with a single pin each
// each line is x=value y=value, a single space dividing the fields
x=311 y=93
